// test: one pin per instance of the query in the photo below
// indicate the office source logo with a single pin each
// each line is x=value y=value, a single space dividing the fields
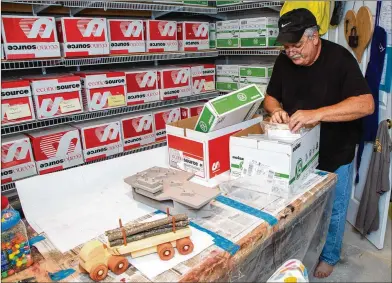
x=32 y=28
x=216 y=166
x=167 y=28
x=241 y=96
x=298 y=169
x=198 y=85
x=109 y=132
x=146 y=79
x=142 y=123
x=131 y=28
x=14 y=152
x=91 y=27
x=180 y=76
x=171 y=116
x=50 y=107
x=203 y=126
x=98 y=100
x=60 y=145
x=200 y=30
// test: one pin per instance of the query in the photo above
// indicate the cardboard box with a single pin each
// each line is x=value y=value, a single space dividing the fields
x=126 y=36
x=100 y=139
x=174 y=82
x=56 y=95
x=137 y=130
x=56 y=148
x=27 y=37
x=102 y=89
x=204 y=154
x=229 y=109
x=212 y=35
x=162 y=118
x=193 y=36
x=227 y=34
x=255 y=74
x=81 y=37
x=289 y=162
x=258 y=32
x=227 y=77
x=17 y=160
x=203 y=78
x=16 y=102
x=191 y=110
x=161 y=36
x=141 y=86
x=227 y=2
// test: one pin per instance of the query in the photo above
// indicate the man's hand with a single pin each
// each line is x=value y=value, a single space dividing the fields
x=304 y=118
x=279 y=116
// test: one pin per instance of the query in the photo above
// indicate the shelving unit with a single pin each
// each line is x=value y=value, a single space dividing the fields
x=152 y=10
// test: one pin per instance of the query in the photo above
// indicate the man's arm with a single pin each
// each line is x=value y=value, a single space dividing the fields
x=351 y=108
x=273 y=107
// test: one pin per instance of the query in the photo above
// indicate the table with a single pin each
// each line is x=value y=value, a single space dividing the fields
x=300 y=233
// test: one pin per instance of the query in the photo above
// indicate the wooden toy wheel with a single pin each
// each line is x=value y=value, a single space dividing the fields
x=184 y=246
x=118 y=264
x=165 y=251
x=98 y=272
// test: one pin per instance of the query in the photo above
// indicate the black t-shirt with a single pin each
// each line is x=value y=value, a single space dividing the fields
x=332 y=78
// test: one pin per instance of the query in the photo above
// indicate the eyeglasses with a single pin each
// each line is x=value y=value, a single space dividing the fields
x=298 y=47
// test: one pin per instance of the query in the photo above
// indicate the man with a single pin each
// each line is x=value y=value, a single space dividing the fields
x=315 y=80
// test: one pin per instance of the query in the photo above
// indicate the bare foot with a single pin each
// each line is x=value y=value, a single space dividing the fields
x=323 y=270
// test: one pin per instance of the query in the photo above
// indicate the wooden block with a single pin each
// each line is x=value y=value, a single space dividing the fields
x=148 y=251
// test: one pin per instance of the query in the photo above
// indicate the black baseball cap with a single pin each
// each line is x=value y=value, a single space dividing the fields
x=293 y=24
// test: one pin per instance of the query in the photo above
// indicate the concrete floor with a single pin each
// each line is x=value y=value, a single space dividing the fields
x=361 y=261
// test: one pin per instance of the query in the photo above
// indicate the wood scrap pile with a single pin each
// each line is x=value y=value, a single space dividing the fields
x=135 y=232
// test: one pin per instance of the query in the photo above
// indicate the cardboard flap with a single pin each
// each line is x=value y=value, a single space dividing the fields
x=179 y=127
x=254 y=130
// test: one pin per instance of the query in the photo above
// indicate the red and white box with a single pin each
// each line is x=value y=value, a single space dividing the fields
x=27 y=37
x=191 y=110
x=137 y=130
x=203 y=78
x=100 y=139
x=161 y=36
x=142 y=86
x=162 y=118
x=174 y=82
x=102 y=89
x=193 y=36
x=56 y=148
x=81 y=37
x=17 y=160
x=204 y=154
x=126 y=36
x=56 y=95
x=16 y=102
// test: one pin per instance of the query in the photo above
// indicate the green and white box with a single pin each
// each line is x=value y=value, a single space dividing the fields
x=255 y=74
x=227 y=77
x=212 y=35
x=227 y=34
x=285 y=165
x=258 y=32
x=227 y=2
x=229 y=109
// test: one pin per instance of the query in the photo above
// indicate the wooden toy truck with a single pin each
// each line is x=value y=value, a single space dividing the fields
x=160 y=236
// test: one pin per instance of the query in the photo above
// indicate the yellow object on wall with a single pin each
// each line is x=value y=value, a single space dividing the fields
x=320 y=9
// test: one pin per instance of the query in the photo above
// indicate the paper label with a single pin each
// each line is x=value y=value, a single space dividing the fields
x=18 y=111
x=70 y=105
x=116 y=100
x=209 y=85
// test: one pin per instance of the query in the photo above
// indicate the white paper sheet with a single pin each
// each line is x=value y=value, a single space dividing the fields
x=78 y=204
x=151 y=266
